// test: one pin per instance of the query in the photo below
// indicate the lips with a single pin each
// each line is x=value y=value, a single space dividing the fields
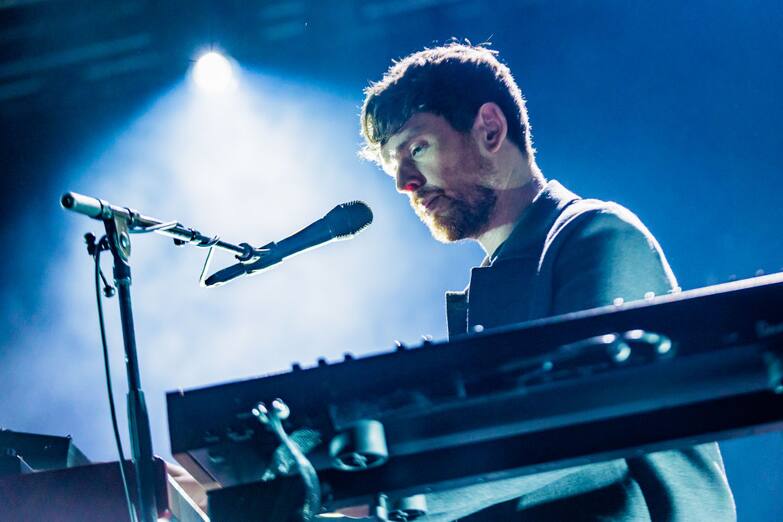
x=431 y=201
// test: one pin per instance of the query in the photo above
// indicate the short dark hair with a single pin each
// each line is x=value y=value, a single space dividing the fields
x=452 y=81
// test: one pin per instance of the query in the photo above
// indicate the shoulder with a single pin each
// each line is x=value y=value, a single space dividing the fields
x=605 y=226
x=585 y=217
x=598 y=251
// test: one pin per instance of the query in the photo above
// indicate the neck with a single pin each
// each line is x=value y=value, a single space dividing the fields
x=516 y=192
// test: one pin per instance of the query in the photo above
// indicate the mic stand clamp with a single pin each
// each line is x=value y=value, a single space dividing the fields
x=252 y=260
x=138 y=419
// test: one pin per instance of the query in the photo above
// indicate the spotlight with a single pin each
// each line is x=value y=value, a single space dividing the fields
x=214 y=72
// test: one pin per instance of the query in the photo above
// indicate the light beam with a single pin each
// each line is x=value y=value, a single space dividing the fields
x=214 y=73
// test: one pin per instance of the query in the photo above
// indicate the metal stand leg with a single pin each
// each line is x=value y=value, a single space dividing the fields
x=138 y=419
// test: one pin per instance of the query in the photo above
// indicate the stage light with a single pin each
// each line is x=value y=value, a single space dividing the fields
x=214 y=73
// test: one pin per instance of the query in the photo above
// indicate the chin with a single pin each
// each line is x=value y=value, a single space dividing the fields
x=446 y=232
x=449 y=225
x=445 y=237
x=455 y=219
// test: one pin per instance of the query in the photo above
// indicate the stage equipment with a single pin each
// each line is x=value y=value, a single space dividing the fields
x=46 y=477
x=614 y=382
x=28 y=452
x=119 y=222
x=89 y=492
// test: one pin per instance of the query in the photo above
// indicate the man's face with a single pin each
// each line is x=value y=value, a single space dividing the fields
x=444 y=175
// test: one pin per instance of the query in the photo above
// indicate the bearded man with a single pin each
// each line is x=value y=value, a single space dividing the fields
x=450 y=125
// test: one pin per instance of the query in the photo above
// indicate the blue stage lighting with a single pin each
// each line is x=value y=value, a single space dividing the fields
x=214 y=73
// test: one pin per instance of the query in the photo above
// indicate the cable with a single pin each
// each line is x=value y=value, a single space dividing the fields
x=98 y=277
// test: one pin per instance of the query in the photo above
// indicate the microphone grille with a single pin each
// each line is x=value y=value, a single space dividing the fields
x=348 y=219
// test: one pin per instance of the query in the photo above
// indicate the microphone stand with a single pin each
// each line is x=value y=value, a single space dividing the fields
x=119 y=222
x=138 y=418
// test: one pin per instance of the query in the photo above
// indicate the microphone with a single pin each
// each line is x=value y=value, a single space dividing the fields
x=342 y=222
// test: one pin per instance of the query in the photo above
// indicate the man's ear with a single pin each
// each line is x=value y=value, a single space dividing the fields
x=490 y=127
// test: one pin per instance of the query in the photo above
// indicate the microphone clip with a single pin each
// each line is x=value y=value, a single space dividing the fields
x=251 y=260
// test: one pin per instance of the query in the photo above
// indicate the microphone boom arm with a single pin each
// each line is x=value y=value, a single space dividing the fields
x=102 y=210
x=138 y=223
x=341 y=222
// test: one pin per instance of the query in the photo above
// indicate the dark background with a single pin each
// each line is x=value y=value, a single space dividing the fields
x=671 y=108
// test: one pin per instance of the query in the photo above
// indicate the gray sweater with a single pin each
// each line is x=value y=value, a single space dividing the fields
x=567 y=254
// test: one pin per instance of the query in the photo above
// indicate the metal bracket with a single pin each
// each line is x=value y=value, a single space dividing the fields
x=121 y=236
x=273 y=419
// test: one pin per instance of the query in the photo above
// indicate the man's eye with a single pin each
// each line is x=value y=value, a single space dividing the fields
x=416 y=150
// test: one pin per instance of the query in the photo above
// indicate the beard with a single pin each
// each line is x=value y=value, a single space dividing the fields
x=459 y=213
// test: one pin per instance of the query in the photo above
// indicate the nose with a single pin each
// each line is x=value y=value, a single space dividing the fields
x=408 y=178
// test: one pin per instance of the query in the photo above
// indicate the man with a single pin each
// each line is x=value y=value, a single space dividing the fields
x=450 y=125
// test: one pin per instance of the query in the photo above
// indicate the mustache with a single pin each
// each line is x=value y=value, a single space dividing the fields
x=424 y=194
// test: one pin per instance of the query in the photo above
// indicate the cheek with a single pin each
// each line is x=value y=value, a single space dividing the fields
x=441 y=168
x=433 y=174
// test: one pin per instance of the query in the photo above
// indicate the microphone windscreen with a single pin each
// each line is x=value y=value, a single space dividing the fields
x=348 y=218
